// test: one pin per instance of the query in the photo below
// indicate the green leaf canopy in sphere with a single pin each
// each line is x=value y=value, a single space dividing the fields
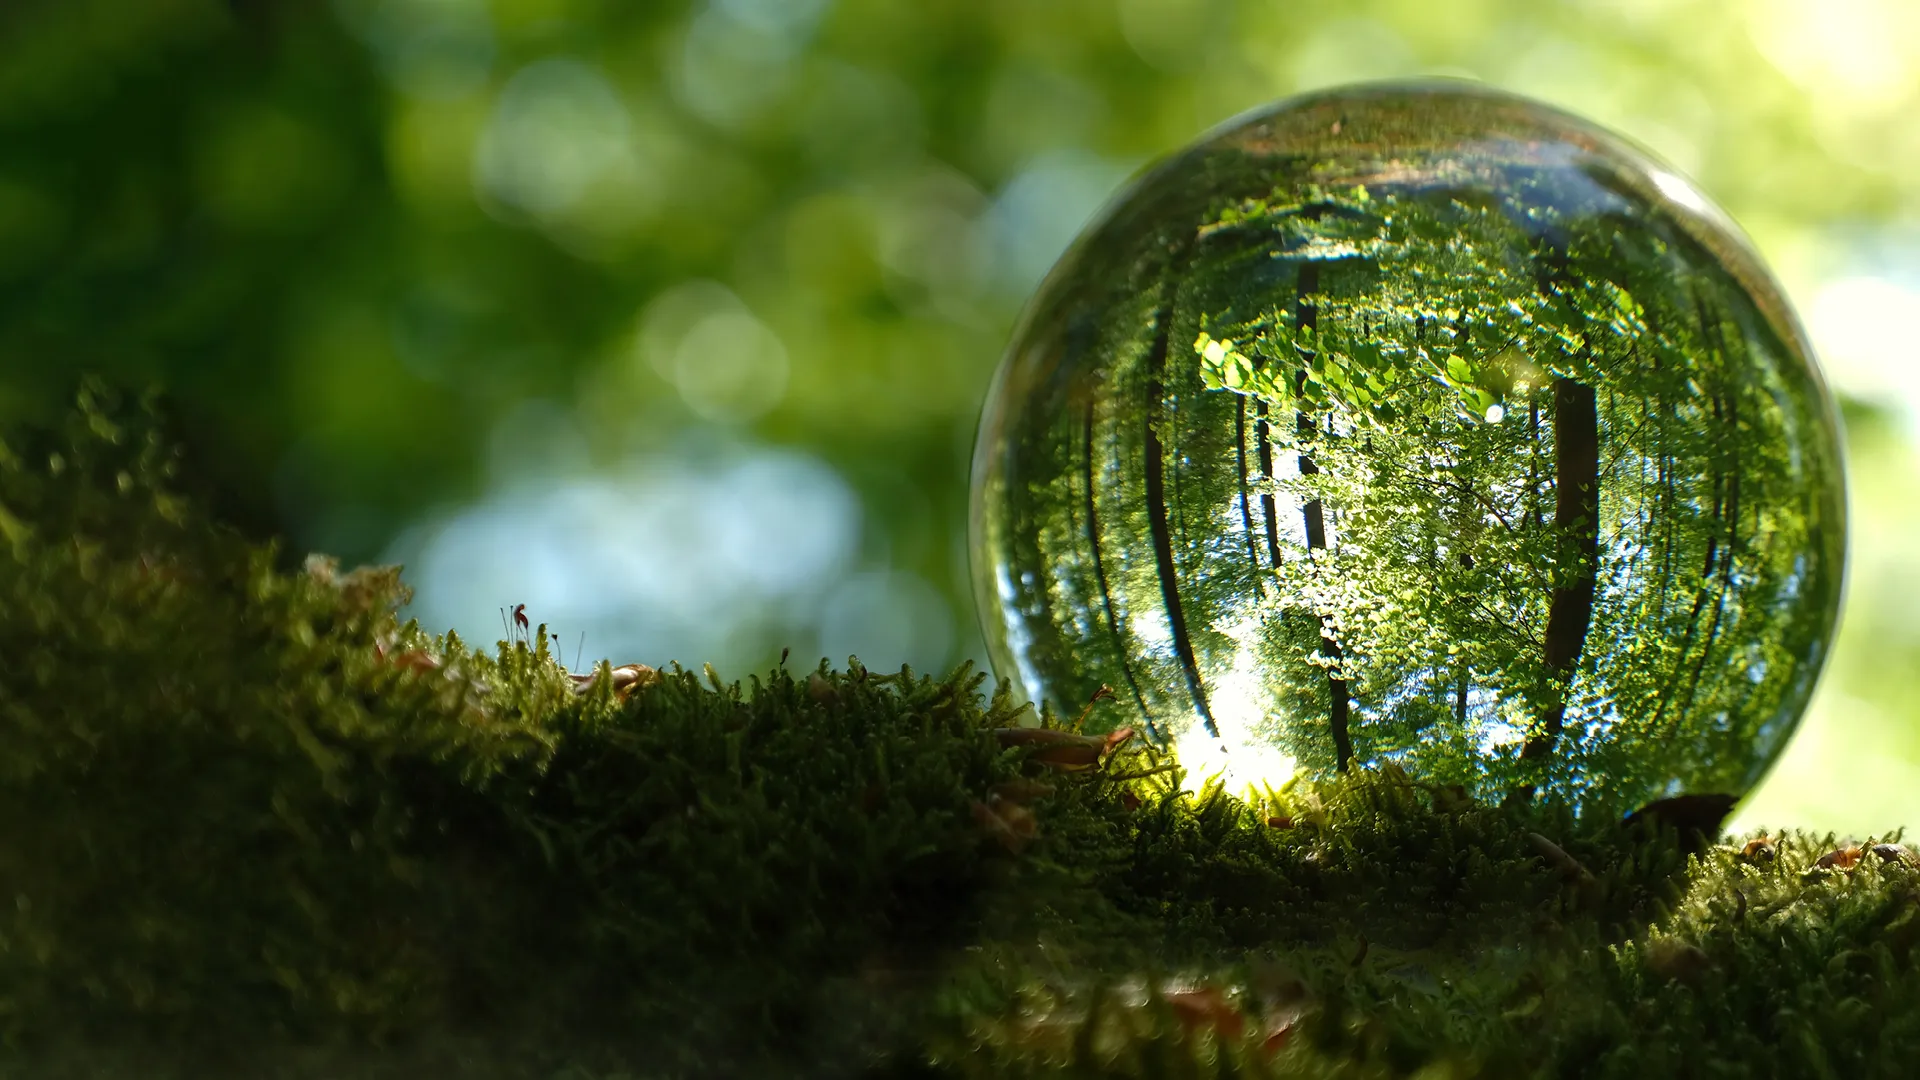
x=1418 y=424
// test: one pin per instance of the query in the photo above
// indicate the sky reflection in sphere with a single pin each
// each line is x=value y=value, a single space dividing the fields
x=1418 y=425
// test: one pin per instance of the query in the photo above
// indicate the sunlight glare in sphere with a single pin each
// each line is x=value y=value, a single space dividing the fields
x=1246 y=770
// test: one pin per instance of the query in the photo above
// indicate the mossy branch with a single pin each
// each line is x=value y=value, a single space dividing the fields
x=256 y=826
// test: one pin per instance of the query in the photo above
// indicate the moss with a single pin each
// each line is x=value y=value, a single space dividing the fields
x=256 y=826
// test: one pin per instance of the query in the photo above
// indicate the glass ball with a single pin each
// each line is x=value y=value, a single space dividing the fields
x=1425 y=425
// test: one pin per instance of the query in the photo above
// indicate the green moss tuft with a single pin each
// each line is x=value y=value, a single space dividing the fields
x=258 y=827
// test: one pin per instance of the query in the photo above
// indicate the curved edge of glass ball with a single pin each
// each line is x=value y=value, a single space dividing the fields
x=1245 y=315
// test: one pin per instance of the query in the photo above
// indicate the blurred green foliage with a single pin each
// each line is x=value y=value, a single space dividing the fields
x=390 y=255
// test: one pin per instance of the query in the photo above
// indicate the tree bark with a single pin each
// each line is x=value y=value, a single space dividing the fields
x=1576 y=526
x=1157 y=517
x=1094 y=543
x=1246 y=507
x=1339 y=701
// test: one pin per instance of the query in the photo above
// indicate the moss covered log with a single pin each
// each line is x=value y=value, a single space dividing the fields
x=255 y=826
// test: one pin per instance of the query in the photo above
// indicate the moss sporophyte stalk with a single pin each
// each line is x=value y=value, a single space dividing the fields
x=1418 y=425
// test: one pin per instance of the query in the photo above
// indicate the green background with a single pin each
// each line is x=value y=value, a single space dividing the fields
x=672 y=320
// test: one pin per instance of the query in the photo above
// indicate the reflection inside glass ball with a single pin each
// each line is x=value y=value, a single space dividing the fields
x=1418 y=425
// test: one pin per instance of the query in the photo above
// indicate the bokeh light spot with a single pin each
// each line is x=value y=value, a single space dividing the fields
x=694 y=555
x=728 y=366
x=558 y=128
x=1042 y=209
